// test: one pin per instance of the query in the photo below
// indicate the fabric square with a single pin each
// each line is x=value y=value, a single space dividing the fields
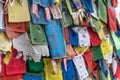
x=18 y=13
x=94 y=38
x=112 y=18
x=102 y=11
x=50 y=75
x=73 y=37
x=83 y=36
x=37 y=34
x=71 y=73
x=97 y=53
x=34 y=67
x=55 y=39
x=81 y=67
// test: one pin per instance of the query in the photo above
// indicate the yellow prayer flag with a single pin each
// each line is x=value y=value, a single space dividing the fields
x=80 y=50
x=106 y=47
x=49 y=73
x=18 y=13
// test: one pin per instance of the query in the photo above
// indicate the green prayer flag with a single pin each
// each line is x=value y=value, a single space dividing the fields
x=97 y=53
x=102 y=11
x=37 y=34
x=34 y=67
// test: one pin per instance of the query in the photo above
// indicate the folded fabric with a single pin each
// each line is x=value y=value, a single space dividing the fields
x=49 y=73
x=18 y=13
x=81 y=67
x=17 y=27
x=41 y=12
x=33 y=77
x=102 y=11
x=37 y=34
x=87 y=4
x=55 y=39
x=15 y=66
x=94 y=38
x=44 y=3
x=97 y=53
x=73 y=37
x=112 y=18
x=71 y=73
